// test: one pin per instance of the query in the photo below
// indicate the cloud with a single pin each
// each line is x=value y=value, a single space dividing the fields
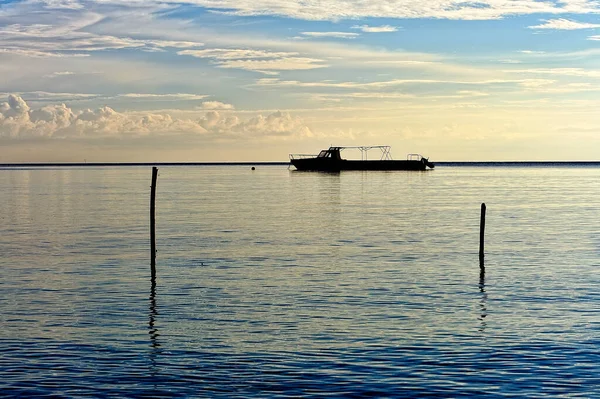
x=333 y=10
x=58 y=74
x=236 y=54
x=62 y=4
x=564 y=24
x=38 y=54
x=277 y=124
x=578 y=72
x=61 y=39
x=537 y=83
x=164 y=97
x=376 y=29
x=338 y=35
x=256 y=60
x=216 y=105
x=16 y=107
x=18 y=121
x=43 y=96
x=564 y=88
x=29 y=30
x=274 y=82
x=393 y=96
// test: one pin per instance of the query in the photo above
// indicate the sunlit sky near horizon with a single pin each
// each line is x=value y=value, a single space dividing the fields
x=224 y=80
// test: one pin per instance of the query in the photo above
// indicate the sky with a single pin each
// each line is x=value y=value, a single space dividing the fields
x=240 y=80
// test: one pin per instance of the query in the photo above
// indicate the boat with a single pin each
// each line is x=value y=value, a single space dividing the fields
x=331 y=160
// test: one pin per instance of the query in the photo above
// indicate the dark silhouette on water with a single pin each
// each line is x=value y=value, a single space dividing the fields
x=330 y=160
x=152 y=330
x=483 y=302
x=482 y=235
x=152 y=224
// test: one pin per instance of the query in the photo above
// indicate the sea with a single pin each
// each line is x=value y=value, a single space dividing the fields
x=274 y=283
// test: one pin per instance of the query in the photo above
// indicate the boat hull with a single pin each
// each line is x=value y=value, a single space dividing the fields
x=335 y=165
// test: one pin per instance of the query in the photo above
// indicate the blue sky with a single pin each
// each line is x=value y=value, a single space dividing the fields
x=224 y=80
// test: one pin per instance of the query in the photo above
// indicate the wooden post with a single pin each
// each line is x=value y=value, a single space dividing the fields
x=481 y=235
x=152 y=224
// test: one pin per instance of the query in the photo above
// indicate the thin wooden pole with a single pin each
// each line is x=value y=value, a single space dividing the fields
x=152 y=224
x=482 y=234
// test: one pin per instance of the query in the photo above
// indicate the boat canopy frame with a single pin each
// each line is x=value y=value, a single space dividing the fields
x=385 y=152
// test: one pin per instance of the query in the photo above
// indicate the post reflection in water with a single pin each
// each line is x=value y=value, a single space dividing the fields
x=153 y=331
x=483 y=300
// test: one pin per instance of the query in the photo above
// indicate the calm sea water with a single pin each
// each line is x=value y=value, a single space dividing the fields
x=274 y=283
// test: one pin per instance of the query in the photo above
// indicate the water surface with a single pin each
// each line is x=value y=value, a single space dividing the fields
x=276 y=283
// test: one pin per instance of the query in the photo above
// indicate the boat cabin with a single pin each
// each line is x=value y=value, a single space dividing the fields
x=332 y=152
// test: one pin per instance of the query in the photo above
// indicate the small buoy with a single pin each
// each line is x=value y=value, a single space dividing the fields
x=253 y=168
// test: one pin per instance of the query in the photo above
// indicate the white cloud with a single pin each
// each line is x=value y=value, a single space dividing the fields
x=256 y=60
x=376 y=29
x=565 y=88
x=564 y=24
x=18 y=120
x=31 y=31
x=371 y=95
x=285 y=64
x=236 y=54
x=173 y=43
x=537 y=83
x=471 y=93
x=377 y=84
x=38 y=54
x=442 y=9
x=393 y=96
x=164 y=97
x=60 y=40
x=578 y=72
x=59 y=74
x=62 y=4
x=16 y=107
x=338 y=35
x=45 y=97
x=276 y=124
x=404 y=63
x=216 y=105
x=333 y=10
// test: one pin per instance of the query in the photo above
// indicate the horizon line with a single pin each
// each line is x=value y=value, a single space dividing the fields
x=273 y=163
